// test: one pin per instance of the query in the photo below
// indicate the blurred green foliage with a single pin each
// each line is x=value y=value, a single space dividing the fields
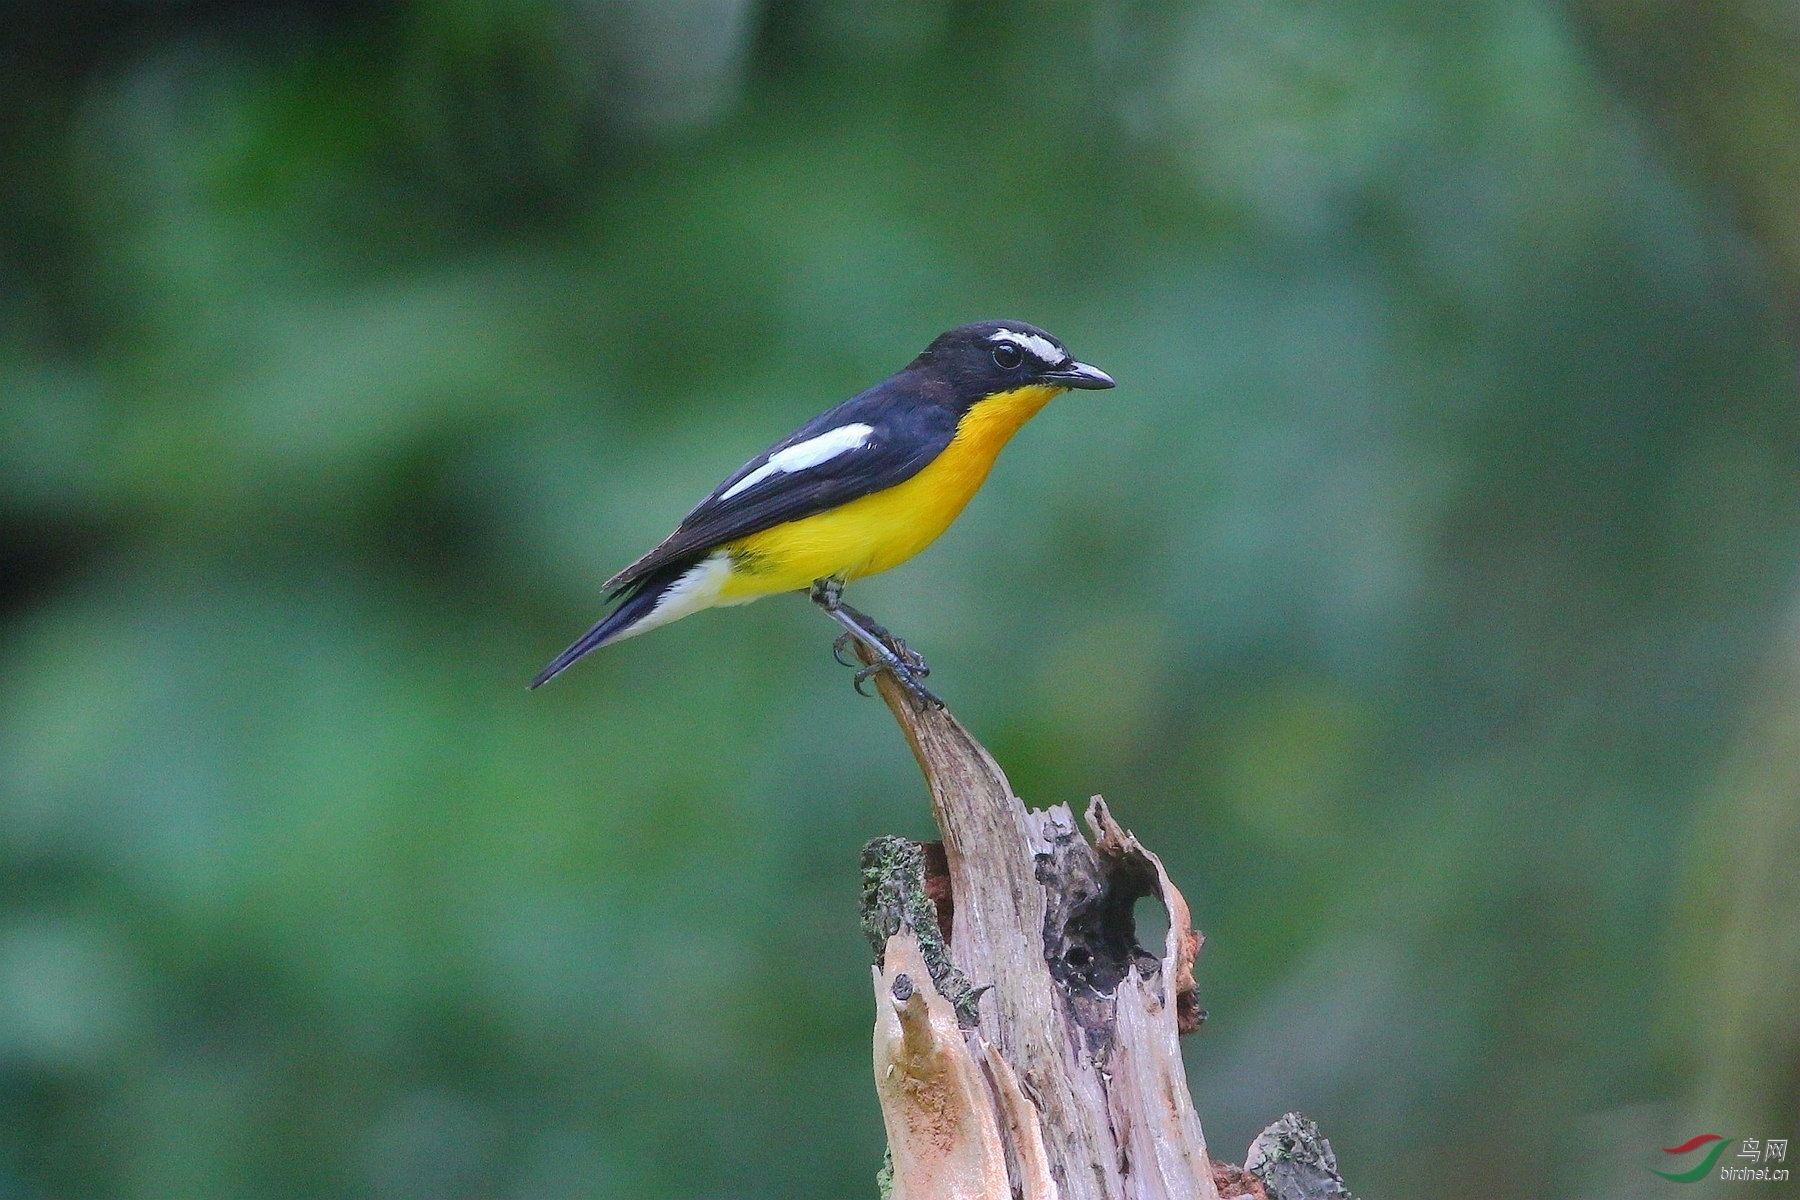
x=1419 y=593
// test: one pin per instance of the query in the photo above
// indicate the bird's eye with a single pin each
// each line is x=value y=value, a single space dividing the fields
x=1007 y=356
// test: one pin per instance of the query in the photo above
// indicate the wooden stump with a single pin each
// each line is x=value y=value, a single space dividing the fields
x=1076 y=1025
x=1026 y=1046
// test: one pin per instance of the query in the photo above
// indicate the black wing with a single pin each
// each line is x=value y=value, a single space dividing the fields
x=906 y=431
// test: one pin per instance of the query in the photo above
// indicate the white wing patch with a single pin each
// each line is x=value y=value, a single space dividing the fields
x=1041 y=348
x=810 y=453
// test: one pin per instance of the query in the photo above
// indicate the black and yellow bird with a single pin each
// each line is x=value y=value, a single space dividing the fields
x=853 y=491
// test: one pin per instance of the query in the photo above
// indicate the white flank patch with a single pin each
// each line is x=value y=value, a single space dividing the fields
x=1042 y=349
x=698 y=588
x=810 y=453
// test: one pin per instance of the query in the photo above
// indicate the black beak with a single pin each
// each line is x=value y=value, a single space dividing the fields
x=1079 y=375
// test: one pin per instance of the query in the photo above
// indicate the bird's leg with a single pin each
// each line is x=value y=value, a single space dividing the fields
x=905 y=653
x=891 y=654
x=858 y=619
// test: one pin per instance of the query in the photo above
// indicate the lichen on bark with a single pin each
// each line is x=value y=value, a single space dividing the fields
x=895 y=895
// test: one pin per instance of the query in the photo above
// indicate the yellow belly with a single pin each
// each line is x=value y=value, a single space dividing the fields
x=885 y=529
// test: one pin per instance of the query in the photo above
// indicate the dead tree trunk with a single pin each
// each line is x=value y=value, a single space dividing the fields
x=1025 y=1044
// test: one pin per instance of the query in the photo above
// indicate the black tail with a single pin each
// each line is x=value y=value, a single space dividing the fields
x=641 y=597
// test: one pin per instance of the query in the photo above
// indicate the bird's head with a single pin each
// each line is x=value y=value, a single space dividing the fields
x=991 y=357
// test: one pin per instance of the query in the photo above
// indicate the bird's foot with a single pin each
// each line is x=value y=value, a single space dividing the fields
x=912 y=659
x=922 y=697
x=881 y=634
x=890 y=653
x=907 y=668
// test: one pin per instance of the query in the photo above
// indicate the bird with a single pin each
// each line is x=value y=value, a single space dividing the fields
x=854 y=491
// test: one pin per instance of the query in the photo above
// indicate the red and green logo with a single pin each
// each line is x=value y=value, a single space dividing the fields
x=1706 y=1164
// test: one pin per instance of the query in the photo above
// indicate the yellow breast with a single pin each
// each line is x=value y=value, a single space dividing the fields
x=885 y=529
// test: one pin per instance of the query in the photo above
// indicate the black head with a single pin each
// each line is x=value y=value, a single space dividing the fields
x=998 y=356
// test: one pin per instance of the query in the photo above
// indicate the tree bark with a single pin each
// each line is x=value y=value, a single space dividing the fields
x=1025 y=1043
x=1075 y=1025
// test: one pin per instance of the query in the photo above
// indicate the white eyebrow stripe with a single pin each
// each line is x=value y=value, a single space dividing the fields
x=1043 y=349
x=810 y=453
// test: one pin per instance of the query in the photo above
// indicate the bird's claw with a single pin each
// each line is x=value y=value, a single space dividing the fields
x=844 y=642
x=906 y=666
x=864 y=639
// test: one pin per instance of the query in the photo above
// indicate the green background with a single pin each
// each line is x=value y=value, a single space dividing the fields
x=1425 y=594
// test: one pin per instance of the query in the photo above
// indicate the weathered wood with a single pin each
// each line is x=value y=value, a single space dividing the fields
x=1295 y=1162
x=896 y=896
x=943 y=1139
x=1085 y=1018
x=959 y=1125
x=1071 y=1026
x=1027 y=1162
x=1147 y=1095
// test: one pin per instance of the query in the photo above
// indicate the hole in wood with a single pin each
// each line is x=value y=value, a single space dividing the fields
x=1150 y=920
